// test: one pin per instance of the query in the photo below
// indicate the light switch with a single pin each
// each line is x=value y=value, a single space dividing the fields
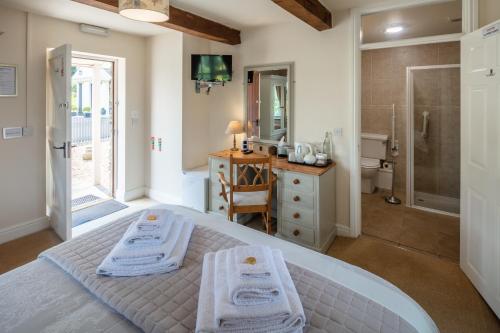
x=27 y=131
x=12 y=132
x=135 y=118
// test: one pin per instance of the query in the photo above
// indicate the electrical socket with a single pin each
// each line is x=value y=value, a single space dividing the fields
x=337 y=131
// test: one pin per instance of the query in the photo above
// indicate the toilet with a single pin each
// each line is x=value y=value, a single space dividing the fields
x=373 y=152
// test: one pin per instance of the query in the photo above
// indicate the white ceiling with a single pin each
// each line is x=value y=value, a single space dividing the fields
x=76 y=12
x=238 y=14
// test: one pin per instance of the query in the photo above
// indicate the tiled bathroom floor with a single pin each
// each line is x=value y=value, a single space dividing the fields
x=423 y=231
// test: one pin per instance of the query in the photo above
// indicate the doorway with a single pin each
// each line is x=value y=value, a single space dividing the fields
x=92 y=127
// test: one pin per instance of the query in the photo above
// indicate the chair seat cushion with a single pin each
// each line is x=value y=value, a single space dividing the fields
x=250 y=198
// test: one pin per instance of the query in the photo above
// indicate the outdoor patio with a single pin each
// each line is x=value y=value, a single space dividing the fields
x=83 y=173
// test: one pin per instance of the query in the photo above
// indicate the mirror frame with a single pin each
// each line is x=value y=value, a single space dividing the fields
x=290 y=97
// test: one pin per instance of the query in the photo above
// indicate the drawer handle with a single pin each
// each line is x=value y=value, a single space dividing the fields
x=221 y=207
x=296 y=198
x=296 y=232
x=221 y=166
x=296 y=215
x=296 y=181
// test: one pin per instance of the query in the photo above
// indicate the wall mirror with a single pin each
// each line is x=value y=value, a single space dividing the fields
x=268 y=106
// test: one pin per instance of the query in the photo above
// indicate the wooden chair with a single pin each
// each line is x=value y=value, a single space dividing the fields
x=244 y=196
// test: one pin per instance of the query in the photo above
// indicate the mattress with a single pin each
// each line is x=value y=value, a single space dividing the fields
x=73 y=298
x=40 y=297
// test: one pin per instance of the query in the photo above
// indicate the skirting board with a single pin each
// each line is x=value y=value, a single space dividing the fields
x=23 y=229
x=343 y=231
x=162 y=197
x=130 y=195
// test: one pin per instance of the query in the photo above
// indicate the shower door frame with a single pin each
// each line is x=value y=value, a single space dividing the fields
x=410 y=137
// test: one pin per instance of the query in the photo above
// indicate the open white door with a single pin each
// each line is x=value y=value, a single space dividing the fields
x=59 y=140
x=480 y=165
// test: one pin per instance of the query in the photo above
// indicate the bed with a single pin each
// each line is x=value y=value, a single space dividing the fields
x=60 y=292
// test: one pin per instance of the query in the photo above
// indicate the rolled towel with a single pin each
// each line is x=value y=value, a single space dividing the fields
x=152 y=219
x=164 y=265
x=216 y=313
x=251 y=275
x=136 y=236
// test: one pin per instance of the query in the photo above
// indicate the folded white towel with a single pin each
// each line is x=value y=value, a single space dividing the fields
x=149 y=266
x=143 y=224
x=216 y=313
x=136 y=236
x=252 y=276
x=262 y=266
x=122 y=254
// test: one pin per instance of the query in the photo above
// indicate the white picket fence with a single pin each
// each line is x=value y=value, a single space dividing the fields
x=82 y=129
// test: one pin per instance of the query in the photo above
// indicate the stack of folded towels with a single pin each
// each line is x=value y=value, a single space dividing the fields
x=248 y=289
x=156 y=243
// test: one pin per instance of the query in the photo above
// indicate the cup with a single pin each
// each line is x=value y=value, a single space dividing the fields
x=291 y=156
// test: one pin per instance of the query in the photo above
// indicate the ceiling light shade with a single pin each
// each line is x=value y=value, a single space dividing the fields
x=394 y=29
x=145 y=10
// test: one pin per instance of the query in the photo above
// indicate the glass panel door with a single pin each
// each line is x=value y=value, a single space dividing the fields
x=435 y=137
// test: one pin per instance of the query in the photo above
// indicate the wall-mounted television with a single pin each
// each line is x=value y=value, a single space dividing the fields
x=211 y=68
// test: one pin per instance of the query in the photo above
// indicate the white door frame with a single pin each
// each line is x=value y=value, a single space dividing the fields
x=410 y=137
x=469 y=23
x=115 y=61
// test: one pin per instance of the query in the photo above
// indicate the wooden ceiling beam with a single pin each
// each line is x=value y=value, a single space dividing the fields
x=310 y=11
x=183 y=21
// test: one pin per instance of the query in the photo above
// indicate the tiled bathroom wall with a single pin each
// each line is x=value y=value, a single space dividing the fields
x=384 y=84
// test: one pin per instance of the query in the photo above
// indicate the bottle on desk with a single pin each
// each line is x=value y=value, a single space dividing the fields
x=328 y=146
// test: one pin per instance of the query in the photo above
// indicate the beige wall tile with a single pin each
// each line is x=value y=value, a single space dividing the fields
x=382 y=92
x=382 y=64
x=366 y=65
x=366 y=92
x=449 y=53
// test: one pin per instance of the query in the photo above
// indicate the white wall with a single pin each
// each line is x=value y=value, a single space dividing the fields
x=205 y=117
x=323 y=79
x=196 y=108
x=323 y=95
x=164 y=117
x=22 y=167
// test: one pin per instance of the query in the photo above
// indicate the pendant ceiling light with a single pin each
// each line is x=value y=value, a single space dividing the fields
x=145 y=10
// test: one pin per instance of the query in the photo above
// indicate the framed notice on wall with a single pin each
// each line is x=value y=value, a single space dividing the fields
x=8 y=80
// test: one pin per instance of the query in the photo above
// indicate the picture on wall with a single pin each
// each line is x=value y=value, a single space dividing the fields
x=8 y=80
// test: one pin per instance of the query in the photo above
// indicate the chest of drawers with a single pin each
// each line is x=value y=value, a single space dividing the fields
x=304 y=202
x=306 y=208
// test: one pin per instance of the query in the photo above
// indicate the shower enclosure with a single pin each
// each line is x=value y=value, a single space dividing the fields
x=433 y=136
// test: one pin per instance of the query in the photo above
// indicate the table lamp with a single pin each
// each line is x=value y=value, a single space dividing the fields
x=234 y=127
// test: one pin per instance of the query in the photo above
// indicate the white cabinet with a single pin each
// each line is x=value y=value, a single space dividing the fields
x=306 y=208
x=305 y=204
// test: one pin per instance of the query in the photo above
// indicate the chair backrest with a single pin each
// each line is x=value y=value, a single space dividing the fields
x=262 y=174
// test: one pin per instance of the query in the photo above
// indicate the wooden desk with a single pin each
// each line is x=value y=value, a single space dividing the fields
x=305 y=199
x=278 y=163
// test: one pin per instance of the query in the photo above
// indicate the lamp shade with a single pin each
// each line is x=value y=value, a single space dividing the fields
x=234 y=127
x=145 y=10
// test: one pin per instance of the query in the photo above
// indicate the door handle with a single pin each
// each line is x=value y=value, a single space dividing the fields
x=63 y=147
x=66 y=148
